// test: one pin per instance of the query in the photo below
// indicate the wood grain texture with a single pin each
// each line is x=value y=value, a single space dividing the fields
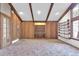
x=27 y=30
x=51 y=30
x=15 y=26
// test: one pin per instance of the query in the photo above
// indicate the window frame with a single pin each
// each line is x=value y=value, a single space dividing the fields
x=72 y=20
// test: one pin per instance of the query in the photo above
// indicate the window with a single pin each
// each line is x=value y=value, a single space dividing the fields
x=4 y=28
x=75 y=22
x=76 y=29
x=6 y=31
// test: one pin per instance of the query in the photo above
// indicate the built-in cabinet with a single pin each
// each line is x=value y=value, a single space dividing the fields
x=39 y=31
x=64 y=29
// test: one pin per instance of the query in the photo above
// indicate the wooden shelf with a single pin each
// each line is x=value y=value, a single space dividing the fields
x=64 y=29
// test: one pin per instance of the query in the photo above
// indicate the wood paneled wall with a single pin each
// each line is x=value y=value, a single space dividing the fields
x=51 y=30
x=27 y=30
x=16 y=23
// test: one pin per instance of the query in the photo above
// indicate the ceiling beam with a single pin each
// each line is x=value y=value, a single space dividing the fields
x=31 y=11
x=50 y=8
x=13 y=9
x=70 y=7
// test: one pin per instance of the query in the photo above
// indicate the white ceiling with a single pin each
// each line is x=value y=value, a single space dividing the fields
x=57 y=10
x=23 y=7
x=43 y=9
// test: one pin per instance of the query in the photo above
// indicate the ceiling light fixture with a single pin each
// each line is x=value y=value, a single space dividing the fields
x=39 y=23
x=57 y=13
x=38 y=12
x=21 y=13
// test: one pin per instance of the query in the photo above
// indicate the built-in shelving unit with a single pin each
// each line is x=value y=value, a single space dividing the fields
x=64 y=29
x=40 y=31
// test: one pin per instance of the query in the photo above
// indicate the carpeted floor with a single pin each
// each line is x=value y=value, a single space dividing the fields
x=39 y=47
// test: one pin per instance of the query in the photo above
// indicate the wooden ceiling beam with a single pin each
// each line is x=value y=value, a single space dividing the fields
x=50 y=8
x=31 y=11
x=13 y=9
x=70 y=7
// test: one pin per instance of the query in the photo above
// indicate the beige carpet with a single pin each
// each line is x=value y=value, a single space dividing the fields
x=39 y=47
